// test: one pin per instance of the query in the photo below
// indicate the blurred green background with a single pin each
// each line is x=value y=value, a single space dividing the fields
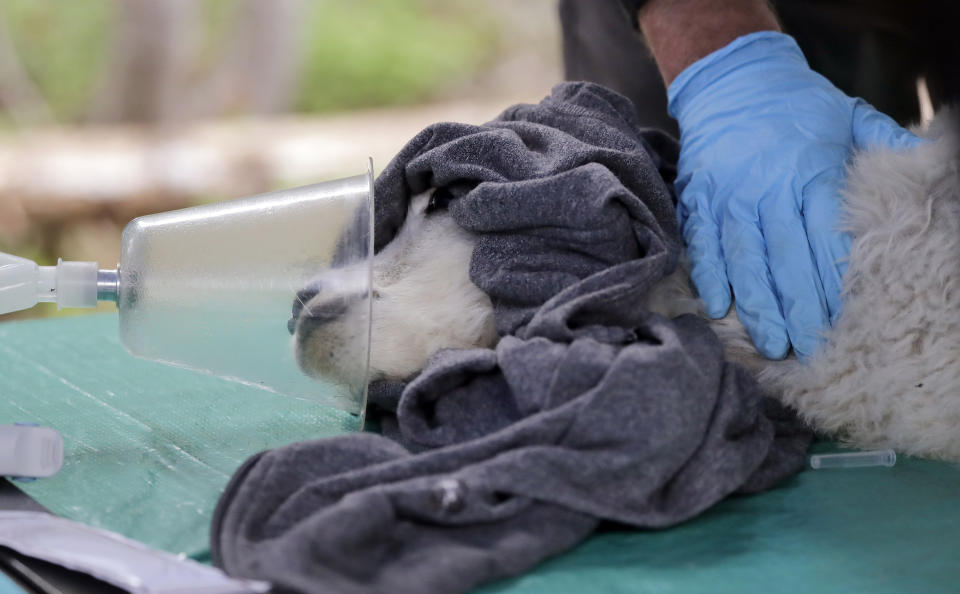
x=114 y=109
x=350 y=54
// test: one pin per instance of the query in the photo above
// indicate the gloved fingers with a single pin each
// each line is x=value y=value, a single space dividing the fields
x=822 y=212
x=872 y=128
x=794 y=272
x=753 y=287
x=702 y=236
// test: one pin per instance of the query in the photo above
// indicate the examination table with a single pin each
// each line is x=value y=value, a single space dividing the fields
x=148 y=448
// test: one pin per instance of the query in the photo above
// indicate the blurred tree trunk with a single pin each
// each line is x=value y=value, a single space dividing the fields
x=18 y=95
x=152 y=75
x=257 y=72
x=148 y=63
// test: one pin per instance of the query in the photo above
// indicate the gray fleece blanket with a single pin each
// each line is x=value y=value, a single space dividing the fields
x=589 y=409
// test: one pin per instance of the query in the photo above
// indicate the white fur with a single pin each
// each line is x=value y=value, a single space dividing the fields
x=423 y=297
x=423 y=301
x=888 y=373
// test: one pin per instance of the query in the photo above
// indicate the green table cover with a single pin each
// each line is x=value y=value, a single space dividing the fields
x=149 y=447
x=876 y=530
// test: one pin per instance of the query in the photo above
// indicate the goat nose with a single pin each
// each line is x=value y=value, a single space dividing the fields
x=318 y=314
x=303 y=297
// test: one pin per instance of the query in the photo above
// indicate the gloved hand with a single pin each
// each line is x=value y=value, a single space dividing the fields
x=764 y=142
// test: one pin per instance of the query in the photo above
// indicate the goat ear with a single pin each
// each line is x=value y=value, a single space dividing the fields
x=439 y=200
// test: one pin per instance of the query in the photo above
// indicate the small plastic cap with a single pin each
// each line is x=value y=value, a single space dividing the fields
x=30 y=451
x=76 y=284
x=854 y=459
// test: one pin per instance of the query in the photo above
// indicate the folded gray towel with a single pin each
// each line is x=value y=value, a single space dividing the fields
x=590 y=408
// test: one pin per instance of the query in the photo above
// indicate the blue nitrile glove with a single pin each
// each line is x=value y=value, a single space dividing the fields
x=764 y=142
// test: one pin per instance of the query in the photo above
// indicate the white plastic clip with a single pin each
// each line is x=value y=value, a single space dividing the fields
x=29 y=451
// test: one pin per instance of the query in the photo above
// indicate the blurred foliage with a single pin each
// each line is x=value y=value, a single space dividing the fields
x=356 y=53
x=390 y=52
x=30 y=251
x=61 y=44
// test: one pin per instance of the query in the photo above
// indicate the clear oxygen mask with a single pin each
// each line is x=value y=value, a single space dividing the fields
x=211 y=288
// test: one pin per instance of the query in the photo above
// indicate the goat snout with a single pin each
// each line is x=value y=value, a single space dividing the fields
x=303 y=297
x=320 y=310
x=422 y=301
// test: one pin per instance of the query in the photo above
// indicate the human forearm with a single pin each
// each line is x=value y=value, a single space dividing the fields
x=680 y=32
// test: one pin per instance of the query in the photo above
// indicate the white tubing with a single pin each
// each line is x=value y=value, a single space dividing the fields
x=68 y=284
x=76 y=284
x=47 y=284
x=18 y=283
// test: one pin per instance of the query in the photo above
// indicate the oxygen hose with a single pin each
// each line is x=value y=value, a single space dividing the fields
x=23 y=284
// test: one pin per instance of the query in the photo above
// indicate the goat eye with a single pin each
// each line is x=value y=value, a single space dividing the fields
x=375 y=293
x=440 y=199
